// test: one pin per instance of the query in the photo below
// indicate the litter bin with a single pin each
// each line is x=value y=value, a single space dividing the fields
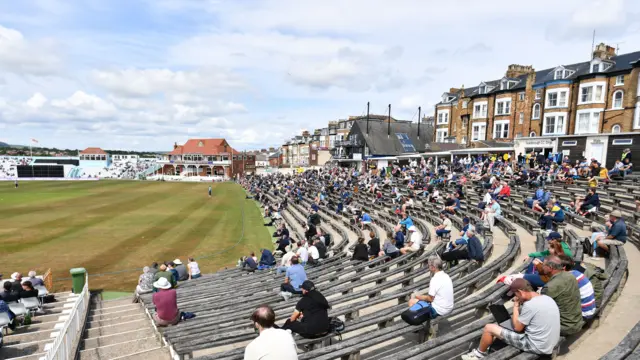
x=77 y=279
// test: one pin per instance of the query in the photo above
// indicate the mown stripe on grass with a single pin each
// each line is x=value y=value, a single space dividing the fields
x=74 y=224
x=107 y=259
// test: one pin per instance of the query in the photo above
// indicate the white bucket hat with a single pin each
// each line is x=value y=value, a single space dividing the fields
x=412 y=228
x=162 y=283
x=177 y=262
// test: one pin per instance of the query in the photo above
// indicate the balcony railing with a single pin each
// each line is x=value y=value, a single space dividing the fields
x=195 y=162
x=347 y=143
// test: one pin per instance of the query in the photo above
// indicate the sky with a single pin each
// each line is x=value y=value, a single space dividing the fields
x=144 y=74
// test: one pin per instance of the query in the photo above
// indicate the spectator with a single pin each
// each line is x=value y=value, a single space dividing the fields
x=183 y=273
x=627 y=167
x=312 y=311
x=533 y=275
x=406 y=221
x=322 y=248
x=314 y=254
x=365 y=219
x=272 y=343
x=171 y=267
x=492 y=213
x=445 y=227
x=28 y=291
x=590 y=203
x=587 y=294
x=361 y=251
x=374 y=245
x=267 y=260
x=285 y=262
x=626 y=155
x=7 y=294
x=535 y=320
x=194 y=269
x=35 y=281
x=294 y=277
x=538 y=195
x=163 y=273
x=563 y=288
x=154 y=268
x=145 y=283
x=16 y=284
x=283 y=242
x=249 y=263
x=399 y=237
x=616 y=235
x=4 y=308
x=555 y=214
x=472 y=252
x=302 y=253
x=166 y=303
x=617 y=168
x=389 y=247
x=440 y=294
x=415 y=241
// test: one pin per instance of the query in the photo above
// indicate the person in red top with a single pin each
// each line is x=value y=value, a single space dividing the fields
x=505 y=192
x=166 y=303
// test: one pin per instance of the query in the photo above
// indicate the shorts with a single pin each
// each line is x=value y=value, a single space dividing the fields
x=410 y=249
x=611 y=242
x=518 y=340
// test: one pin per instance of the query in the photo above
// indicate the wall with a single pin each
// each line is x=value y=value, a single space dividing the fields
x=575 y=152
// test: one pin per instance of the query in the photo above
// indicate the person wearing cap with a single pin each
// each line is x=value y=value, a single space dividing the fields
x=473 y=251
x=440 y=297
x=563 y=288
x=312 y=311
x=616 y=234
x=272 y=343
x=535 y=319
x=181 y=269
x=415 y=241
x=553 y=236
x=166 y=303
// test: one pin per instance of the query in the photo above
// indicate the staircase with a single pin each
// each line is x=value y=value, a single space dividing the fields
x=120 y=329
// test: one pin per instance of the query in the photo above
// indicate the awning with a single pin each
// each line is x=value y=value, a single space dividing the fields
x=482 y=150
x=384 y=158
x=439 y=153
x=347 y=160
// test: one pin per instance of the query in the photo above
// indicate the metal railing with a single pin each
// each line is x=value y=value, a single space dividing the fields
x=69 y=337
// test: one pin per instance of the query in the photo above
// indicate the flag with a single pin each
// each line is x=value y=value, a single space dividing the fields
x=34 y=141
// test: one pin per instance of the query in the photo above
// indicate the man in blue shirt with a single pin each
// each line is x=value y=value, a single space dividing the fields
x=536 y=197
x=399 y=237
x=365 y=219
x=294 y=277
x=406 y=220
x=267 y=260
x=617 y=234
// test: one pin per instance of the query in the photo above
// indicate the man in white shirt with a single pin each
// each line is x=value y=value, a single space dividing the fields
x=314 y=255
x=415 y=240
x=440 y=295
x=272 y=344
x=303 y=254
x=285 y=262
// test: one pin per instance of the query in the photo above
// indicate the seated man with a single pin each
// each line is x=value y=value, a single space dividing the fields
x=563 y=288
x=314 y=254
x=163 y=273
x=555 y=214
x=294 y=277
x=249 y=263
x=181 y=269
x=587 y=293
x=440 y=295
x=530 y=201
x=28 y=290
x=535 y=319
x=415 y=241
x=36 y=281
x=267 y=260
x=7 y=294
x=285 y=262
x=466 y=226
x=312 y=311
x=365 y=219
x=272 y=343
x=491 y=213
x=445 y=227
x=322 y=248
x=166 y=303
x=616 y=234
x=472 y=252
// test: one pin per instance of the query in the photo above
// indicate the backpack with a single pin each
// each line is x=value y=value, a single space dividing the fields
x=597 y=277
x=336 y=326
x=417 y=314
x=587 y=248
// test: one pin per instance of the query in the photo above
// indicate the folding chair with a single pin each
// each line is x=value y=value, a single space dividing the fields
x=32 y=304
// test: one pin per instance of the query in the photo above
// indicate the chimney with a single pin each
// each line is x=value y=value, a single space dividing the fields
x=454 y=90
x=515 y=70
x=175 y=146
x=305 y=133
x=604 y=52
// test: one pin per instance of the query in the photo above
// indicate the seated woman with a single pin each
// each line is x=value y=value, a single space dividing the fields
x=145 y=283
x=361 y=251
x=389 y=247
x=28 y=291
x=166 y=304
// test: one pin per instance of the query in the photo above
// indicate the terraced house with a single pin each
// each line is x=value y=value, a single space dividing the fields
x=593 y=97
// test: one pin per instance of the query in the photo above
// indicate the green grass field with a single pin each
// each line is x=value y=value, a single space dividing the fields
x=109 y=226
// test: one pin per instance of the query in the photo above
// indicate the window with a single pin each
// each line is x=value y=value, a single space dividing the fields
x=503 y=107
x=558 y=74
x=482 y=89
x=479 y=132
x=622 y=142
x=591 y=93
x=617 y=99
x=615 y=129
x=536 y=111
x=538 y=94
x=570 y=143
x=521 y=118
x=557 y=98
x=554 y=124
x=595 y=68
x=501 y=129
x=532 y=134
x=521 y=96
x=441 y=134
x=465 y=103
x=480 y=110
x=619 y=80
x=443 y=116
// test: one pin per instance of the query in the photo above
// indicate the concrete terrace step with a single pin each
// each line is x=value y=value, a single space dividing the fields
x=24 y=348
x=117 y=350
x=113 y=309
x=118 y=320
x=113 y=315
x=117 y=328
x=105 y=340
x=158 y=353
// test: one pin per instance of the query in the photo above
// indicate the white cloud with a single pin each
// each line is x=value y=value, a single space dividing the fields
x=20 y=56
x=37 y=100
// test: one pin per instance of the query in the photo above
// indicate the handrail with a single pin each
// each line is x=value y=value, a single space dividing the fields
x=65 y=343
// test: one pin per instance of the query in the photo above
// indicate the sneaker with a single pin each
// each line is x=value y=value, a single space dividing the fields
x=474 y=355
x=286 y=295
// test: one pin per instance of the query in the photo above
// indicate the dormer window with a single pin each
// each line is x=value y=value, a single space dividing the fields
x=450 y=98
x=482 y=89
x=595 y=68
x=559 y=74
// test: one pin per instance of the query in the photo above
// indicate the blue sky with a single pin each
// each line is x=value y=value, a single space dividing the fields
x=145 y=74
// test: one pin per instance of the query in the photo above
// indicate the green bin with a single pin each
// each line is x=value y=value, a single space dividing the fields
x=78 y=278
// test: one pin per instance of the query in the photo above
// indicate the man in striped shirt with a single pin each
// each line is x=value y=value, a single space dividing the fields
x=587 y=295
